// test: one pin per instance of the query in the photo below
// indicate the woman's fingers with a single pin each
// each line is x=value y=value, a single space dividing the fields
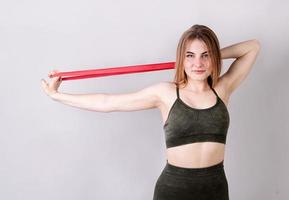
x=43 y=83
x=52 y=86
x=52 y=72
x=49 y=88
x=44 y=86
x=54 y=79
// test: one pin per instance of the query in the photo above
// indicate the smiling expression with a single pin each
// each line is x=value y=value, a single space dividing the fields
x=197 y=61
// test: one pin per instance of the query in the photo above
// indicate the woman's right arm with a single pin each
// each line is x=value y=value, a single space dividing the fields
x=146 y=98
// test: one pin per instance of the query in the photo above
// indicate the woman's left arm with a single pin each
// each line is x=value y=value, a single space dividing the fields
x=245 y=54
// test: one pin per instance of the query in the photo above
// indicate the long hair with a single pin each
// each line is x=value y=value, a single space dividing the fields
x=205 y=34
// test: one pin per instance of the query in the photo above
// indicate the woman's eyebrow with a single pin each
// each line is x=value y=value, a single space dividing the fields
x=194 y=53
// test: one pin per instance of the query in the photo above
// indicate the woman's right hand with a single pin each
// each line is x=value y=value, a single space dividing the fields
x=52 y=87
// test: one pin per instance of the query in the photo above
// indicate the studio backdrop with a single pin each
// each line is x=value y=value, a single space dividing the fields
x=52 y=151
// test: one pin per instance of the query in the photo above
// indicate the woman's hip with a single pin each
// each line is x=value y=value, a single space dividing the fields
x=192 y=183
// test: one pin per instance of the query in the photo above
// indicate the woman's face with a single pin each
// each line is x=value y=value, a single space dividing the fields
x=197 y=62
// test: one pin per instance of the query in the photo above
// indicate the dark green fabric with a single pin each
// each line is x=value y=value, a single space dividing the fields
x=177 y=183
x=187 y=125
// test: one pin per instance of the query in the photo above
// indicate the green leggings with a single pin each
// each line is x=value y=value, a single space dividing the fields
x=178 y=183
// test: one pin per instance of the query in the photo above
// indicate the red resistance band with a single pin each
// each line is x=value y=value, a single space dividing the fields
x=73 y=75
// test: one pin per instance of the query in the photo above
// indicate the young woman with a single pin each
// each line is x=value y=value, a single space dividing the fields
x=194 y=112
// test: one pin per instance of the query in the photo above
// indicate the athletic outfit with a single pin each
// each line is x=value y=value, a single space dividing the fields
x=187 y=125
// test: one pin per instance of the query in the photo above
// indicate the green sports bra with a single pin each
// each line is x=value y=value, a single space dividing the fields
x=186 y=125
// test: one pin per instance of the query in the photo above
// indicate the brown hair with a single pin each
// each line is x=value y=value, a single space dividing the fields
x=205 y=34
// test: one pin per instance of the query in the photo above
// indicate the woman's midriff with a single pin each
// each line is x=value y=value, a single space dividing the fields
x=196 y=155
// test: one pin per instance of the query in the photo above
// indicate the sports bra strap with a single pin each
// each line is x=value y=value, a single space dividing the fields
x=178 y=95
x=215 y=92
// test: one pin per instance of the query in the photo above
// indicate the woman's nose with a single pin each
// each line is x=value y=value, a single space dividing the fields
x=197 y=62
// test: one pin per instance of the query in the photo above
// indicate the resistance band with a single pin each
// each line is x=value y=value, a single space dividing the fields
x=73 y=75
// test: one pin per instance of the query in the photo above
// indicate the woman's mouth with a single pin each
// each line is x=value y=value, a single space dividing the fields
x=199 y=71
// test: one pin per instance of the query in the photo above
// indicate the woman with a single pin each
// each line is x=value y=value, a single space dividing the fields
x=193 y=109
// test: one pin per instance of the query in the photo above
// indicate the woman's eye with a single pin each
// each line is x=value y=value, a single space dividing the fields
x=189 y=55
x=206 y=55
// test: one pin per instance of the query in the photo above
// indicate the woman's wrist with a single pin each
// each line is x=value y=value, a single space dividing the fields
x=54 y=95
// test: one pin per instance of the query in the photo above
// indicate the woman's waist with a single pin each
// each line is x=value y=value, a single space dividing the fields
x=196 y=155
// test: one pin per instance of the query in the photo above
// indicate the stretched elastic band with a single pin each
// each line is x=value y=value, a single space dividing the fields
x=73 y=75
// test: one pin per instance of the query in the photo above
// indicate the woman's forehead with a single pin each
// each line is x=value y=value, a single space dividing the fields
x=196 y=46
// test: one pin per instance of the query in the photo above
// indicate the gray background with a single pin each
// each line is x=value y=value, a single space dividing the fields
x=52 y=151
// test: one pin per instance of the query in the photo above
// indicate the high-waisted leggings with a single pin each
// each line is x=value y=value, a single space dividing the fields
x=178 y=183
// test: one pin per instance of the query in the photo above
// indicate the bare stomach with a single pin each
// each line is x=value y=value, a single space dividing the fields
x=196 y=155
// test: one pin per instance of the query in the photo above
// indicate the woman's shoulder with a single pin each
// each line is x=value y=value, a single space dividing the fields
x=160 y=88
x=166 y=91
x=166 y=86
